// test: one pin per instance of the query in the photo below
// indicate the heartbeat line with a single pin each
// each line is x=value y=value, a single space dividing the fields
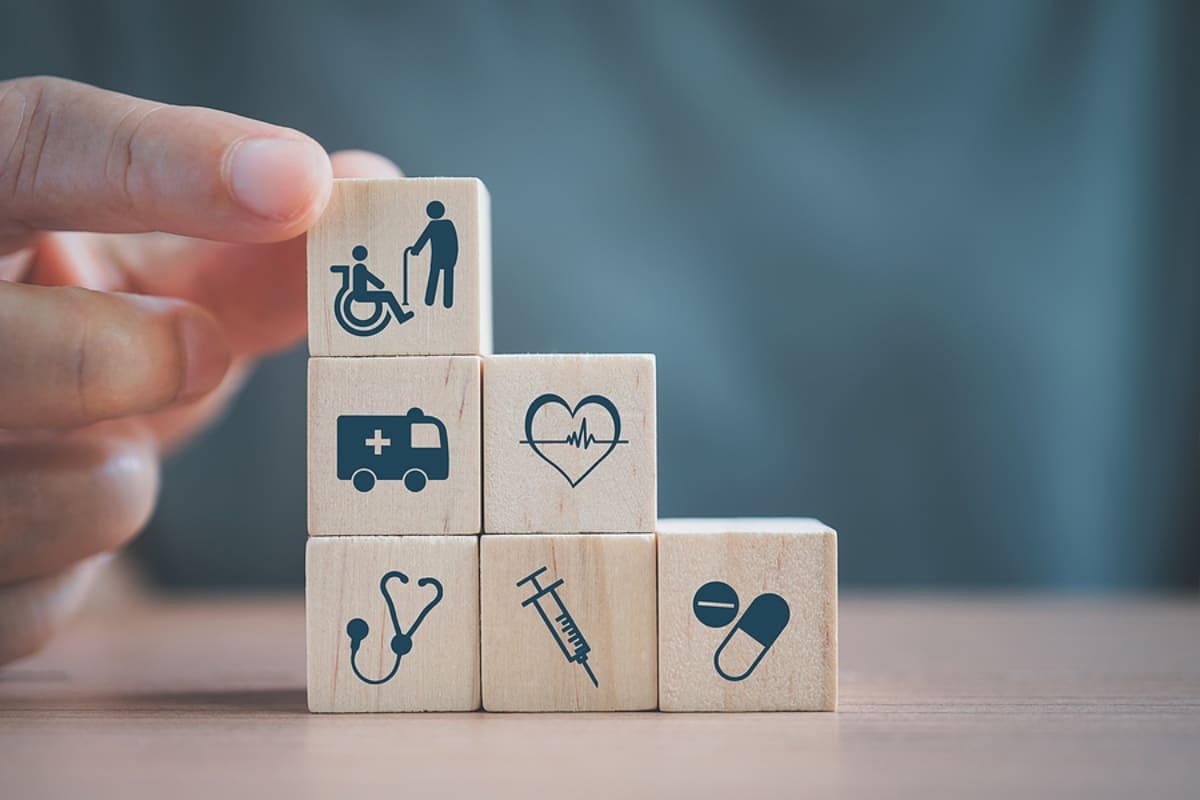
x=582 y=438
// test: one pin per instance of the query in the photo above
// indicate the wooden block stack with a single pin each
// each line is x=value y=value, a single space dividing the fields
x=484 y=528
x=399 y=308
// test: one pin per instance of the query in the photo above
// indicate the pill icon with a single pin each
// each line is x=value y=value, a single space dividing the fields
x=745 y=646
x=715 y=604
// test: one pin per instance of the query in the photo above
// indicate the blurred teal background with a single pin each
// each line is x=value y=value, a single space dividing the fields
x=928 y=271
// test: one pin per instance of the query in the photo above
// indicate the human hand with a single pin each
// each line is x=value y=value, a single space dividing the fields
x=117 y=344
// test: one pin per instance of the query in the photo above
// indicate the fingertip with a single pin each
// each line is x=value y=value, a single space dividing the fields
x=283 y=181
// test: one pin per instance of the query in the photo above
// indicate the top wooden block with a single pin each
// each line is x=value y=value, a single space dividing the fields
x=401 y=266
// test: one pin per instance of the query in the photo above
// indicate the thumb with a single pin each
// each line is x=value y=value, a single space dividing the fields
x=74 y=157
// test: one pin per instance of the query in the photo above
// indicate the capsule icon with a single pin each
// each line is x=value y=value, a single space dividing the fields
x=750 y=639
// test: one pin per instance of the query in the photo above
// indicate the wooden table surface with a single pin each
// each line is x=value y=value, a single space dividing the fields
x=941 y=696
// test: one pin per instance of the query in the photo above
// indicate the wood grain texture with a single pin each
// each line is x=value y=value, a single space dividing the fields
x=444 y=387
x=795 y=559
x=387 y=216
x=608 y=588
x=951 y=695
x=441 y=671
x=523 y=491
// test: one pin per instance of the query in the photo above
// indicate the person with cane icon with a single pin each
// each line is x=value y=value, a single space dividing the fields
x=442 y=238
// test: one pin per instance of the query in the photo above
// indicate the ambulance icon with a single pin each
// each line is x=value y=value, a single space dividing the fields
x=410 y=448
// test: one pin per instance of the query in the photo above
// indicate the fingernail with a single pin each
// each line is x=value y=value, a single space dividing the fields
x=205 y=351
x=278 y=179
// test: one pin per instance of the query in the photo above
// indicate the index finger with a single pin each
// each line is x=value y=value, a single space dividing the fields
x=74 y=157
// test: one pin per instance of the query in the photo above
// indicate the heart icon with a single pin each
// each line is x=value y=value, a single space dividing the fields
x=563 y=452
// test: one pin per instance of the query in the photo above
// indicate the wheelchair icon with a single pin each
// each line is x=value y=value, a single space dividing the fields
x=361 y=288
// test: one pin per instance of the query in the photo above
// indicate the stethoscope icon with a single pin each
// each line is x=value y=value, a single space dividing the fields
x=716 y=605
x=357 y=629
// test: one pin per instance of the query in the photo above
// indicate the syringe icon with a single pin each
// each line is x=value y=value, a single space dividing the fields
x=559 y=621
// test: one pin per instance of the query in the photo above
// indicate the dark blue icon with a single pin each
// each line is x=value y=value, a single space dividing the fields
x=361 y=287
x=442 y=238
x=557 y=450
x=716 y=603
x=357 y=628
x=410 y=448
x=559 y=621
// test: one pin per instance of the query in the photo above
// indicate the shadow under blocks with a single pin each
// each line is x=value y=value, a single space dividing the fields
x=483 y=529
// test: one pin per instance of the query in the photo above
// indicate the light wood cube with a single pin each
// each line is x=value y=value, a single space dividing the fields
x=747 y=613
x=401 y=266
x=568 y=623
x=570 y=444
x=357 y=659
x=394 y=446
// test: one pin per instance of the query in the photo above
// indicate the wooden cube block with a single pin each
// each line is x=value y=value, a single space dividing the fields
x=393 y=445
x=393 y=623
x=401 y=266
x=747 y=615
x=568 y=623
x=570 y=444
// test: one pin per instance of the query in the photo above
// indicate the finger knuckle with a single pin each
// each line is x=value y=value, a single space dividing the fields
x=123 y=164
x=85 y=387
x=26 y=115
